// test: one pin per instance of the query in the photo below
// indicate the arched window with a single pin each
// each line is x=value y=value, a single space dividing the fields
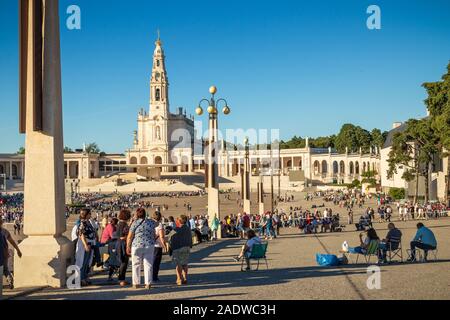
x=335 y=167
x=316 y=167
x=342 y=167
x=157 y=63
x=158 y=94
x=324 y=167
x=2 y=169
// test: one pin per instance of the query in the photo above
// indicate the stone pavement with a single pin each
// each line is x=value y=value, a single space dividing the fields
x=292 y=274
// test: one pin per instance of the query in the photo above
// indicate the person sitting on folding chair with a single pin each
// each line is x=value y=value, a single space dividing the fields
x=246 y=250
x=424 y=240
x=364 y=243
x=390 y=243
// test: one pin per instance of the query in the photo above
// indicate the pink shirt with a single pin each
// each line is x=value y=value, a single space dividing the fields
x=107 y=233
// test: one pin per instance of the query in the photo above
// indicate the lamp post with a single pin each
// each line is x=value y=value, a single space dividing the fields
x=245 y=179
x=211 y=172
x=271 y=179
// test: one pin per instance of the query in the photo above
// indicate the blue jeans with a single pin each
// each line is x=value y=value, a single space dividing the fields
x=86 y=265
x=355 y=250
x=425 y=247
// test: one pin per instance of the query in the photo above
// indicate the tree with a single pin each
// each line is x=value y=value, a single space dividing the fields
x=353 y=138
x=403 y=153
x=68 y=150
x=378 y=138
x=397 y=193
x=369 y=177
x=438 y=104
x=323 y=142
x=21 y=150
x=92 y=148
x=415 y=149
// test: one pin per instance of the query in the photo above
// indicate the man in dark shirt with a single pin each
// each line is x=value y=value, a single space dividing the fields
x=391 y=243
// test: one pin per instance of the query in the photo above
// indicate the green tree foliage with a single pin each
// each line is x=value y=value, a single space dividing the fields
x=93 y=148
x=370 y=177
x=414 y=148
x=350 y=136
x=438 y=103
x=353 y=138
x=21 y=150
x=397 y=193
x=68 y=150
x=355 y=184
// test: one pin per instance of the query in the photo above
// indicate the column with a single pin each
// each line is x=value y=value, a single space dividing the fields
x=246 y=184
x=239 y=166
x=292 y=163
x=261 y=195
x=22 y=170
x=191 y=164
x=10 y=170
x=213 y=183
x=45 y=251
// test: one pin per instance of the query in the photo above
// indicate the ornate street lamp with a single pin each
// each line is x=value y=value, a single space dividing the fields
x=245 y=179
x=211 y=172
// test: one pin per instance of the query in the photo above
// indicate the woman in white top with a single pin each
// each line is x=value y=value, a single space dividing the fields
x=160 y=245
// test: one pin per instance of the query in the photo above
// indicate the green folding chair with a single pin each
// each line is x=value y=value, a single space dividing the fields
x=372 y=250
x=258 y=252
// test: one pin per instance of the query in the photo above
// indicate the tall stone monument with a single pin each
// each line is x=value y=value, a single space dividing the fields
x=45 y=250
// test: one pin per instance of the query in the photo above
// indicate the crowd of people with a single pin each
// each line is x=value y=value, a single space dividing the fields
x=132 y=237
x=11 y=210
x=120 y=224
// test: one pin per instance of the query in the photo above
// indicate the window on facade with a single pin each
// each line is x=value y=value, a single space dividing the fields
x=157 y=63
x=158 y=95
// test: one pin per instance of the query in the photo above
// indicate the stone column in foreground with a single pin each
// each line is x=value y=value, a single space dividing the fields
x=45 y=251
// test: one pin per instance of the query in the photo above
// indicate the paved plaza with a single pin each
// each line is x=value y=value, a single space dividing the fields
x=293 y=272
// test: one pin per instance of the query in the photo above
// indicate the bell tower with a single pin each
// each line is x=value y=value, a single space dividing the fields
x=159 y=84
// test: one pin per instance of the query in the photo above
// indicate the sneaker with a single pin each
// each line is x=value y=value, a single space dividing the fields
x=10 y=282
x=411 y=260
x=148 y=286
x=236 y=259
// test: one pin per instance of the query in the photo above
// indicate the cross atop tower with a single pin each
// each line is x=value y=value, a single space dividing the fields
x=158 y=41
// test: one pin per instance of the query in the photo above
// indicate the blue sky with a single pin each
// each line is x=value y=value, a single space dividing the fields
x=305 y=67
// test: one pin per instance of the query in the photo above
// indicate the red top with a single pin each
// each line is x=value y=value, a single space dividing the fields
x=246 y=221
x=108 y=233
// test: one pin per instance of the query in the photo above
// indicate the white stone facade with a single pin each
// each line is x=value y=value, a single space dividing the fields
x=162 y=137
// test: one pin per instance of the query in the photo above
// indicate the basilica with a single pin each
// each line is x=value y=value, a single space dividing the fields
x=162 y=137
